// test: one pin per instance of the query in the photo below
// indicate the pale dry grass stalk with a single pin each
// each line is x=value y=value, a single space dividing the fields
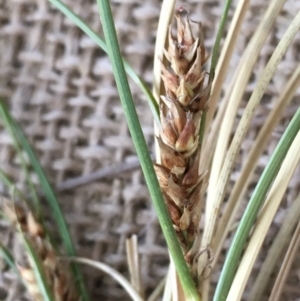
x=180 y=112
x=57 y=273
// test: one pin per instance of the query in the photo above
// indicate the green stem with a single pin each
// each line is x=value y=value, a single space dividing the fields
x=214 y=61
x=97 y=39
x=142 y=151
x=215 y=53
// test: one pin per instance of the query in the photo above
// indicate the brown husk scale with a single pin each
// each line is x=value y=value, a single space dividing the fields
x=181 y=110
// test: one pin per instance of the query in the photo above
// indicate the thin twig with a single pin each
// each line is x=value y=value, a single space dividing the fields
x=105 y=172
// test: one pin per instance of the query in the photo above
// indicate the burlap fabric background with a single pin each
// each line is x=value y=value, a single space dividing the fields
x=60 y=88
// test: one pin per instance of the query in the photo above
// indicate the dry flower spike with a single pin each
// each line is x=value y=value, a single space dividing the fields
x=57 y=275
x=180 y=112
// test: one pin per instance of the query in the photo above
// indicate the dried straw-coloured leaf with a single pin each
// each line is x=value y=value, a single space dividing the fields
x=134 y=265
x=248 y=168
x=224 y=60
x=213 y=129
x=264 y=220
x=176 y=293
x=219 y=191
x=111 y=272
x=233 y=96
x=286 y=266
x=252 y=210
x=169 y=287
x=275 y=251
x=155 y=294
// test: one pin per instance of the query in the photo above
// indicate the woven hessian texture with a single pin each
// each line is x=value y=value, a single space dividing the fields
x=60 y=88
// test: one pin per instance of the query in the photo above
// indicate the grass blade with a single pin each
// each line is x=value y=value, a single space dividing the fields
x=250 y=162
x=214 y=60
x=8 y=257
x=133 y=263
x=51 y=198
x=274 y=253
x=97 y=39
x=234 y=95
x=142 y=150
x=217 y=195
x=155 y=294
x=224 y=60
x=265 y=219
x=215 y=53
x=255 y=203
x=39 y=274
x=7 y=182
x=10 y=129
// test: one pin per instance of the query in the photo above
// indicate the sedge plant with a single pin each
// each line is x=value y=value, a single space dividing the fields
x=195 y=161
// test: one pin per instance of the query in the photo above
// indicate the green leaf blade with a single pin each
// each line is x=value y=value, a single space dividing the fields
x=50 y=197
x=254 y=205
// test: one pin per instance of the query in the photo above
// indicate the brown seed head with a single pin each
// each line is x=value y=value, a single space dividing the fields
x=57 y=275
x=181 y=111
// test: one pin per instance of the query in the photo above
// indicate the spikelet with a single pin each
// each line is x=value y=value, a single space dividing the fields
x=57 y=274
x=180 y=113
